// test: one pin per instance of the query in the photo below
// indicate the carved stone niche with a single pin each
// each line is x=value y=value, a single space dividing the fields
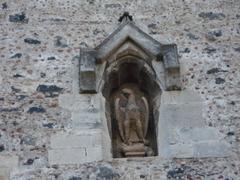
x=130 y=69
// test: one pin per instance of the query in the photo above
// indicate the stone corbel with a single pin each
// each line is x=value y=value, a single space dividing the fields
x=172 y=67
x=87 y=71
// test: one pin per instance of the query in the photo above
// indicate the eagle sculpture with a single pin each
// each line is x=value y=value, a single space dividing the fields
x=132 y=115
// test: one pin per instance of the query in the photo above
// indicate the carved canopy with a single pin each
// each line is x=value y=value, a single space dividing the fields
x=130 y=42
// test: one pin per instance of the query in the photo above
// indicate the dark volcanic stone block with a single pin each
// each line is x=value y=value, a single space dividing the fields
x=21 y=97
x=219 y=81
x=107 y=173
x=29 y=162
x=8 y=109
x=15 y=89
x=48 y=125
x=209 y=50
x=17 y=76
x=18 y=18
x=38 y=109
x=51 y=58
x=49 y=90
x=211 y=15
x=4 y=5
x=75 y=178
x=215 y=70
x=32 y=41
x=60 y=42
x=187 y=50
x=17 y=55
x=2 y=148
x=230 y=133
x=237 y=49
x=177 y=173
x=192 y=36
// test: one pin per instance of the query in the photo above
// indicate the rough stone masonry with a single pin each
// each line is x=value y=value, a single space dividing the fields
x=40 y=104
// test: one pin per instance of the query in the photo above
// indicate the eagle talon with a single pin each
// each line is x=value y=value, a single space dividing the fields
x=145 y=142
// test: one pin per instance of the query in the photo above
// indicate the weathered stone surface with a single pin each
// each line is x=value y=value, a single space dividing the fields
x=84 y=138
x=191 y=135
x=76 y=148
x=75 y=156
x=8 y=161
x=87 y=24
x=181 y=109
x=177 y=151
x=180 y=97
x=80 y=102
x=211 y=149
x=4 y=173
x=181 y=112
x=80 y=120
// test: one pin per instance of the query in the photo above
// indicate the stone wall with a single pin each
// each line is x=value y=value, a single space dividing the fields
x=42 y=112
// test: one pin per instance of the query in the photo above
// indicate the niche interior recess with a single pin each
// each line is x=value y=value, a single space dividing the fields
x=130 y=63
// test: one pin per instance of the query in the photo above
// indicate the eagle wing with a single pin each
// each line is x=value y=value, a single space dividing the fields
x=120 y=115
x=145 y=115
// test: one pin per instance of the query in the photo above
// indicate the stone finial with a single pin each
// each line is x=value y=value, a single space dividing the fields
x=125 y=17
